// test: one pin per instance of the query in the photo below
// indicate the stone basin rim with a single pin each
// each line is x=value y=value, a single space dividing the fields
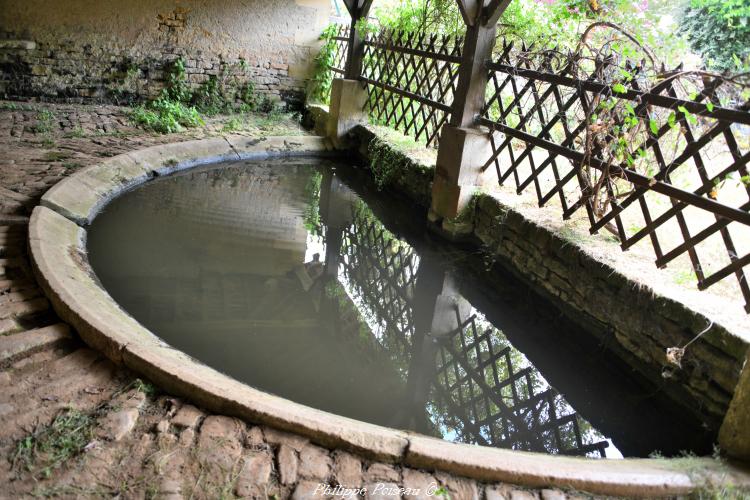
x=57 y=232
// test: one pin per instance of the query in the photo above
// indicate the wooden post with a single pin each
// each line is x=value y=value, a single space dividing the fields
x=358 y=9
x=464 y=147
x=348 y=95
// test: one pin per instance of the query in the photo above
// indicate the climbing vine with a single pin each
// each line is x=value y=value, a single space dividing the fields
x=320 y=82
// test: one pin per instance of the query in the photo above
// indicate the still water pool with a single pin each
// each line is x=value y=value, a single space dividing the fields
x=296 y=278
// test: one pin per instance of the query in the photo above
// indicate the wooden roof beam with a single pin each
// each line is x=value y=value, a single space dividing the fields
x=492 y=11
x=470 y=10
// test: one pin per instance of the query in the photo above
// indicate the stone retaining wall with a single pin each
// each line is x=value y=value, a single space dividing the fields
x=117 y=51
x=631 y=319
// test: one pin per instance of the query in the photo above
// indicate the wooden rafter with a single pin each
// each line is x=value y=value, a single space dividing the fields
x=470 y=10
x=493 y=10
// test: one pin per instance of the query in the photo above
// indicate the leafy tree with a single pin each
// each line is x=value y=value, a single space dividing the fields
x=720 y=31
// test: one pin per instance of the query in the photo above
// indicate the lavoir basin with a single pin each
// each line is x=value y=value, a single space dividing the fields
x=296 y=277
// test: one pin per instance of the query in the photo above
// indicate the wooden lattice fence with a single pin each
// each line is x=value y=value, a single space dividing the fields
x=643 y=162
x=411 y=80
x=653 y=155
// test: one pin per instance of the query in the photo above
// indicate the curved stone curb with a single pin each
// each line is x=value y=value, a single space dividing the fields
x=56 y=241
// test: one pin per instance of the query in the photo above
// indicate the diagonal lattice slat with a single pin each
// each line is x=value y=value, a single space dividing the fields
x=340 y=46
x=680 y=181
x=495 y=402
x=411 y=80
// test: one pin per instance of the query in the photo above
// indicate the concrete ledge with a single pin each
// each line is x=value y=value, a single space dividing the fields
x=60 y=263
x=81 y=196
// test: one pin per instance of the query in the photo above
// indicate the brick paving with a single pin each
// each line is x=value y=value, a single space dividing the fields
x=139 y=441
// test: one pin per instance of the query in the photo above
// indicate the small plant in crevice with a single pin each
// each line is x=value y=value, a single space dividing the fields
x=48 y=448
x=145 y=387
x=385 y=162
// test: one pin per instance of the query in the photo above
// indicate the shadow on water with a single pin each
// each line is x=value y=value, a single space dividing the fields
x=295 y=277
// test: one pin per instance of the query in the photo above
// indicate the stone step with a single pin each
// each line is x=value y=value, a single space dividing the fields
x=16 y=285
x=23 y=309
x=20 y=345
x=11 y=297
x=13 y=220
x=12 y=195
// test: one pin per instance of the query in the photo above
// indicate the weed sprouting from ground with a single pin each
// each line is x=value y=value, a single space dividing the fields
x=165 y=116
x=232 y=125
x=47 y=448
x=146 y=388
x=44 y=122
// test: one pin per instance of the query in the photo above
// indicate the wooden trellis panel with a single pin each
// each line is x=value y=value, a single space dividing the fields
x=341 y=43
x=683 y=182
x=411 y=80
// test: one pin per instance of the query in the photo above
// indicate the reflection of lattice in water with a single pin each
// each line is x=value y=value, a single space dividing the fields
x=495 y=403
x=382 y=270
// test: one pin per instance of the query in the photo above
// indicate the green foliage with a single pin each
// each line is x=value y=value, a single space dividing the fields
x=320 y=82
x=248 y=98
x=44 y=122
x=176 y=87
x=208 y=98
x=179 y=107
x=385 y=162
x=49 y=447
x=720 y=31
x=165 y=116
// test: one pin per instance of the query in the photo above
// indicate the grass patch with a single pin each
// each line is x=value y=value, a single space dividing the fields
x=76 y=133
x=45 y=120
x=232 y=125
x=165 y=116
x=47 y=448
x=56 y=156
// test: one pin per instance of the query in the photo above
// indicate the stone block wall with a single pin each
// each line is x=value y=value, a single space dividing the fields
x=625 y=317
x=117 y=51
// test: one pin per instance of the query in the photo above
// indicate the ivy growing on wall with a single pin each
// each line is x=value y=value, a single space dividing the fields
x=320 y=82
